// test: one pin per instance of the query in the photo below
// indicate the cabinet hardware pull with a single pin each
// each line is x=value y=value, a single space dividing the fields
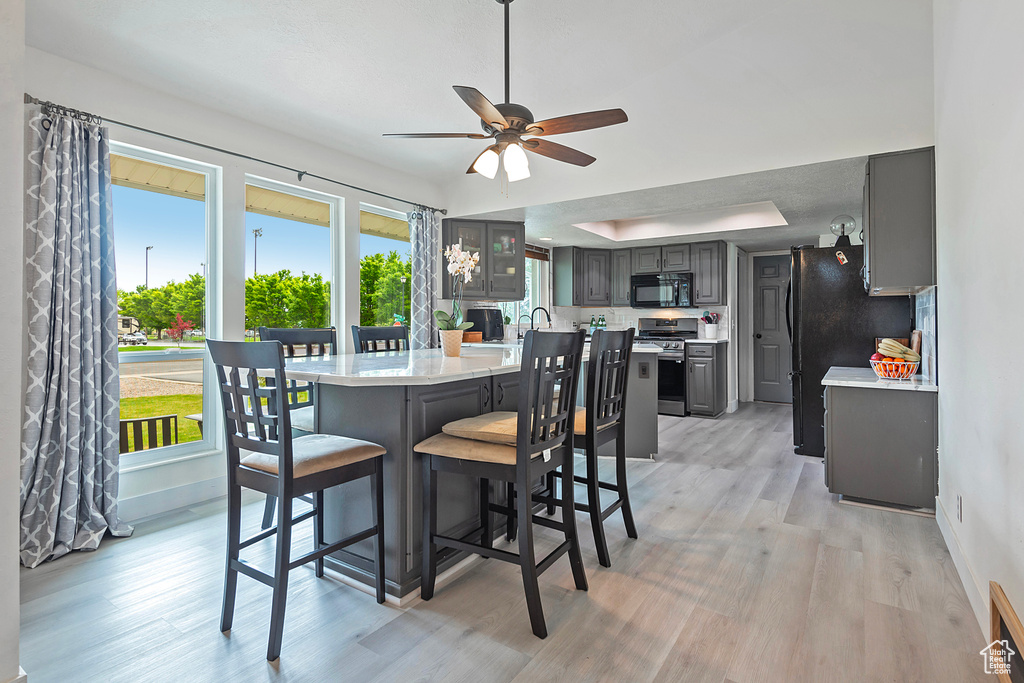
x=500 y=393
x=487 y=393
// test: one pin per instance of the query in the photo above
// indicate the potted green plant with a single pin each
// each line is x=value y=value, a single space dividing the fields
x=450 y=325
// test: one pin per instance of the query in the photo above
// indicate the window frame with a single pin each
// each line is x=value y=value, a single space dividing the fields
x=164 y=455
x=337 y=205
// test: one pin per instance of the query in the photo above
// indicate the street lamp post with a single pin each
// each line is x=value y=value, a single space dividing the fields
x=147 y=266
x=203 y=266
x=257 y=233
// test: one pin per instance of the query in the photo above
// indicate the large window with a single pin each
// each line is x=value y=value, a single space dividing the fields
x=288 y=260
x=160 y=235
x=538 y=288
x=385 y=267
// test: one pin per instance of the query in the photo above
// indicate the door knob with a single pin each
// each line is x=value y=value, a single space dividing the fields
x=757 y=336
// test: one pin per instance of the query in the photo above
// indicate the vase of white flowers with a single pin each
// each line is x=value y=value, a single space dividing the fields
x=450 y=325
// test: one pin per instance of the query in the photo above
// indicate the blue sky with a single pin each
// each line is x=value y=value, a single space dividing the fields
x=175 y=228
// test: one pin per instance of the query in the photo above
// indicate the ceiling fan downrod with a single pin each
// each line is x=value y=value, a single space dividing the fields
x=506 y=3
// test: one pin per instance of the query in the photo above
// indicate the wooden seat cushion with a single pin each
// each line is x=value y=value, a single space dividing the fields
x=467 y=449
x=317 y=453
x=500 y=426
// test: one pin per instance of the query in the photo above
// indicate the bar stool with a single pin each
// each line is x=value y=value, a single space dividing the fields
x=257 y=419
x=369 y=339
x=315 y=342
x=519 y=447
x=604 y=420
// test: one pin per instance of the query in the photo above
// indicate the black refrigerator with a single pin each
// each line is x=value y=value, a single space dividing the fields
x=833 y=322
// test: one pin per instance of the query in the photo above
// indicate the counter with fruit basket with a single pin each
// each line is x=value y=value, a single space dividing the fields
x=867 y=379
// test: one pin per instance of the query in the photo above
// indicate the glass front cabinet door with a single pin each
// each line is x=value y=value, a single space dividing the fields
x=501 y=273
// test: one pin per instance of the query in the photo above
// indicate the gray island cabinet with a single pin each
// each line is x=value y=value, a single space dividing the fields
x=397 y=399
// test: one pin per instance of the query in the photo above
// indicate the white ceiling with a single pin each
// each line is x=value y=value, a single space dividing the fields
x=712 y=87
x=808 y=197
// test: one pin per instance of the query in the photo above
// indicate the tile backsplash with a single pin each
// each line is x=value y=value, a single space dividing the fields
x=925 y=305
x=625 y=317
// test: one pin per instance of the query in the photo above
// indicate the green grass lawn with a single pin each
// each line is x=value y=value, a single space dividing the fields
x=177 y=404
x=145 y=348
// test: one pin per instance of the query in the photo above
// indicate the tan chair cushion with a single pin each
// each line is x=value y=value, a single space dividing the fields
x=496 y=427
x=500 y=426
x=580 y=426
x=317 y=453
x=302 y=419
x=467 y=449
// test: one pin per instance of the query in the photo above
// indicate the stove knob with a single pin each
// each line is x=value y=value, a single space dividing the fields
x=675 y=345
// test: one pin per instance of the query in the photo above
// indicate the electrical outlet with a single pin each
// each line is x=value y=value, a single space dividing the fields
x=959 y=508
x=645 y=370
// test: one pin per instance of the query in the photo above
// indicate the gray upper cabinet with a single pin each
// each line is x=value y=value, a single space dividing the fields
x=646 y=260
x=899 y=223
x=709 y=271
x=567 y=275
x=675 y=259
x=582 y=277
x=501 y=273
x=622 y=269
x=597 y=277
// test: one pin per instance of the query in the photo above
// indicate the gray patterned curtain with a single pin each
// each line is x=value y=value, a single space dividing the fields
x=425 y=233
x=69 y=457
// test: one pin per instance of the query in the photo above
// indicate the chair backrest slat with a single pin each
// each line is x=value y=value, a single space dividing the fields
x=607 y=375
x=371 y=339
x=256 y=417
x=547 y=397
x=141 y=433
x=314 y=342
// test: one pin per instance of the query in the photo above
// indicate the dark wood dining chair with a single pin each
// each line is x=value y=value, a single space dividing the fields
x=257 y=419
x=315 y=342
x=534 y=440
x=370 y=339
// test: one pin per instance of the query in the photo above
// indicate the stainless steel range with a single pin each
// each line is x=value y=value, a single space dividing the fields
x=671 y=335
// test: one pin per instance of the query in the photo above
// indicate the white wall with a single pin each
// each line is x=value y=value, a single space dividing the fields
x=979 y=137
x=148 y=490
x=12 y=133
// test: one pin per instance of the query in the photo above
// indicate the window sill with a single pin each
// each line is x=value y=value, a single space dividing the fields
x=144 y=460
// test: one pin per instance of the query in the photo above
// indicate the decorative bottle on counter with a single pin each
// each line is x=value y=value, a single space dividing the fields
x=593 y=323
x=601 y=323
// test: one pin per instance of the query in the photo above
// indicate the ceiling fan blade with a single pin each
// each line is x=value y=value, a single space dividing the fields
x=559 y=152
x=575 y=122
x=472 y=136
x=481 y=105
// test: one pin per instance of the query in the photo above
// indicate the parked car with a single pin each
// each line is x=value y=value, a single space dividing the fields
x=136 y=338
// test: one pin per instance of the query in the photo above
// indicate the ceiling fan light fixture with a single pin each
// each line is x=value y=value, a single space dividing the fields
x=487 y=164
x=517 y=166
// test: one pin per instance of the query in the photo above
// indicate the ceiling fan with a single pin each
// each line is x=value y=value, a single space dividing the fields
x=508 y=123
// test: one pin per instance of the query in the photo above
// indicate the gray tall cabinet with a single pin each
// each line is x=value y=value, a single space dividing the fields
x=501 y=273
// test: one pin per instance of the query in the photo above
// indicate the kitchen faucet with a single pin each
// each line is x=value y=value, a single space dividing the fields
x=520 y=335
x=546 y=314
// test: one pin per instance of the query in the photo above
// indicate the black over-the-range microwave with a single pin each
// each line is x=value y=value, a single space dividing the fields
x=661 y=290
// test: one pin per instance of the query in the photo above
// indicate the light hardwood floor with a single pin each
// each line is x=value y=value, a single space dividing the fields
x=746 y=569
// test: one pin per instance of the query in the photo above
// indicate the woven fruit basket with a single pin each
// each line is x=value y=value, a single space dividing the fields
x=894 y=369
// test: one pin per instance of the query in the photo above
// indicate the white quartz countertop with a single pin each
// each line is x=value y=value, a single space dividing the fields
x=400 y=368
x=867 y=379
x=707 y=341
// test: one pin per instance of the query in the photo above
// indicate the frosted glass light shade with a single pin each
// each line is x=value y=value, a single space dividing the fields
x=516 y=165
x=487 y=164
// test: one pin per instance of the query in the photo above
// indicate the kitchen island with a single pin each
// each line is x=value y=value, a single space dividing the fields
x=397 y=399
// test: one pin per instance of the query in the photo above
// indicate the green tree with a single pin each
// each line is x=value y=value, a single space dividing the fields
x=308 y=300
x=266 y=300
x=370 y=268
x=389 y=291
x=153 y=308
x=189 y=300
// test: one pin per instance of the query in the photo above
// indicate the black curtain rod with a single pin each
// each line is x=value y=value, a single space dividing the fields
x=93 y=118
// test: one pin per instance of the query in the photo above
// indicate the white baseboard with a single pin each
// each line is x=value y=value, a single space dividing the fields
x=149 y=504
x=732 y=407
x=975 y=591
